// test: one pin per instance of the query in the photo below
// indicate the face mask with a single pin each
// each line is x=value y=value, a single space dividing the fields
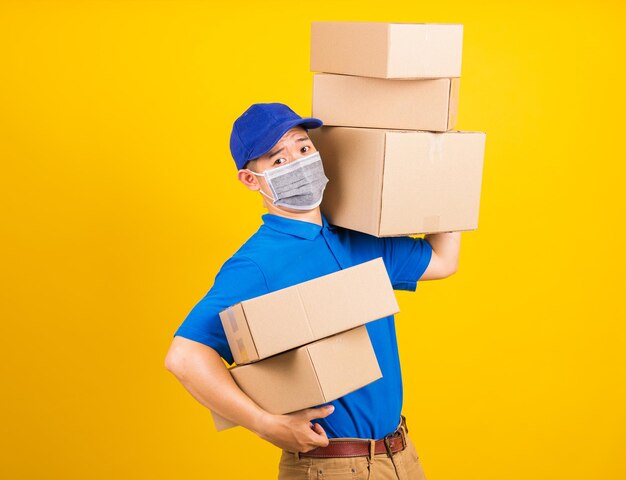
x=298 y=185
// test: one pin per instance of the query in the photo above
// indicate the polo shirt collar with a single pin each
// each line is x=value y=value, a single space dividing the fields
x=298 y=228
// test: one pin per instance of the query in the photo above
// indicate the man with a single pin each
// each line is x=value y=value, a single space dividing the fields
x=276 y=158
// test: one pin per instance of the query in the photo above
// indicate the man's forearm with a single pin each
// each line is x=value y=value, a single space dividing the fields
x=203 y=374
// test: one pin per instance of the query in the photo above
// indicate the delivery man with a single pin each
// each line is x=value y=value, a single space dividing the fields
x=276 y=158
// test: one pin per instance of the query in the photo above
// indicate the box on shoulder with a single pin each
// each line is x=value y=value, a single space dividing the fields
x=349 y=101
x=408 y=182
x=387 y=50
x=278 y=321
x=308 y=376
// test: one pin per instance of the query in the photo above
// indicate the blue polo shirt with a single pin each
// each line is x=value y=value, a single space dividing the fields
x=284 y=252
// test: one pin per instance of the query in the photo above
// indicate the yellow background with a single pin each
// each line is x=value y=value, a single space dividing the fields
x=119 y=204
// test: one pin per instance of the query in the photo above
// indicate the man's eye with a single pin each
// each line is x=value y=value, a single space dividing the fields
x=279 y=161
x=305 y=149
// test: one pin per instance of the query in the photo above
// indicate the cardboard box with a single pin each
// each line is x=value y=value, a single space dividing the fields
x=395 y=182
x=381 y=103
x=387 y=50
x=308 y=376
x=297 y=315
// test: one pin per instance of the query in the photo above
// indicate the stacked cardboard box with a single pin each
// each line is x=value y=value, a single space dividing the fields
x=388 y=96
x=313 y=374
x=306 y=345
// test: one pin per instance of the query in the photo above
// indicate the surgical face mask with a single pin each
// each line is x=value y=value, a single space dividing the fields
x=298 y=185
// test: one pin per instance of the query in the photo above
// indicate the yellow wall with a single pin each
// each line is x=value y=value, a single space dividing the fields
x=119 y=204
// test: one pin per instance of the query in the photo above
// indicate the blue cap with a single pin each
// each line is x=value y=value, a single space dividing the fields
x=260 y=127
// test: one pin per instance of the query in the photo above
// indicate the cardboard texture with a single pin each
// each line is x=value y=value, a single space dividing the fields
x=395 y=182
x=387 y=50
x=297 y=315
x=380 y=103
x=308 y=376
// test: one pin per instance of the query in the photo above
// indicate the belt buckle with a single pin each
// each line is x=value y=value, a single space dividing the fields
x=387 y=442
x=388 y=446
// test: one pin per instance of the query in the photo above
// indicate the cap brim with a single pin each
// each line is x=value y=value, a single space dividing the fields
x=308 y=123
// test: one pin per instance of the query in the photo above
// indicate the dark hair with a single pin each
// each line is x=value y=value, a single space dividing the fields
x=251 y=164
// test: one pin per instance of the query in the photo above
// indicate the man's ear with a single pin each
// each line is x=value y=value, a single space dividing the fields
x=248 y=179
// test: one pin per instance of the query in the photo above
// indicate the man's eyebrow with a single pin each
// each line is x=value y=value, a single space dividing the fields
x=272 y=154
x=301 y=139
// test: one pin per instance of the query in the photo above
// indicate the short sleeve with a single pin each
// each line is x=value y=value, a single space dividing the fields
x=239 y=279
x=406 y=259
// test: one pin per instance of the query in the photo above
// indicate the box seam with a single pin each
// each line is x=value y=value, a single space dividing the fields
x=306 y=314
x=448 y=119
x=453 y=95
x=387 y=54
x=382 y=187
x=317 y=378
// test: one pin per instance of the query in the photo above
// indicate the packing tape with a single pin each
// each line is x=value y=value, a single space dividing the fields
x=243 y=351
x=231 y=318
x=436 y=148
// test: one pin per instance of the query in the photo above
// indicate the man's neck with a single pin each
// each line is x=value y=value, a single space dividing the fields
x=311 y=216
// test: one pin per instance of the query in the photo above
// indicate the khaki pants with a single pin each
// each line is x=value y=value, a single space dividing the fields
x=404 y=465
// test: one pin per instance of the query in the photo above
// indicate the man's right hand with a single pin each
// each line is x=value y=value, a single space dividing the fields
x=295 y=432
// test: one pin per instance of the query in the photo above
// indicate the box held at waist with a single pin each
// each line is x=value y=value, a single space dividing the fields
x=308 y=376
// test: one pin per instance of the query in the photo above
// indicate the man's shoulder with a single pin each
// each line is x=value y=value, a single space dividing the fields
x=255 y=243
x=260 y=246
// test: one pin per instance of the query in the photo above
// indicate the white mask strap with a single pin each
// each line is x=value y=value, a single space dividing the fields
x=263 y=193
x=260 y=175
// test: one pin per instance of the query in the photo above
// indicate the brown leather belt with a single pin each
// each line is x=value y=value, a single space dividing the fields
x=393 y=443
